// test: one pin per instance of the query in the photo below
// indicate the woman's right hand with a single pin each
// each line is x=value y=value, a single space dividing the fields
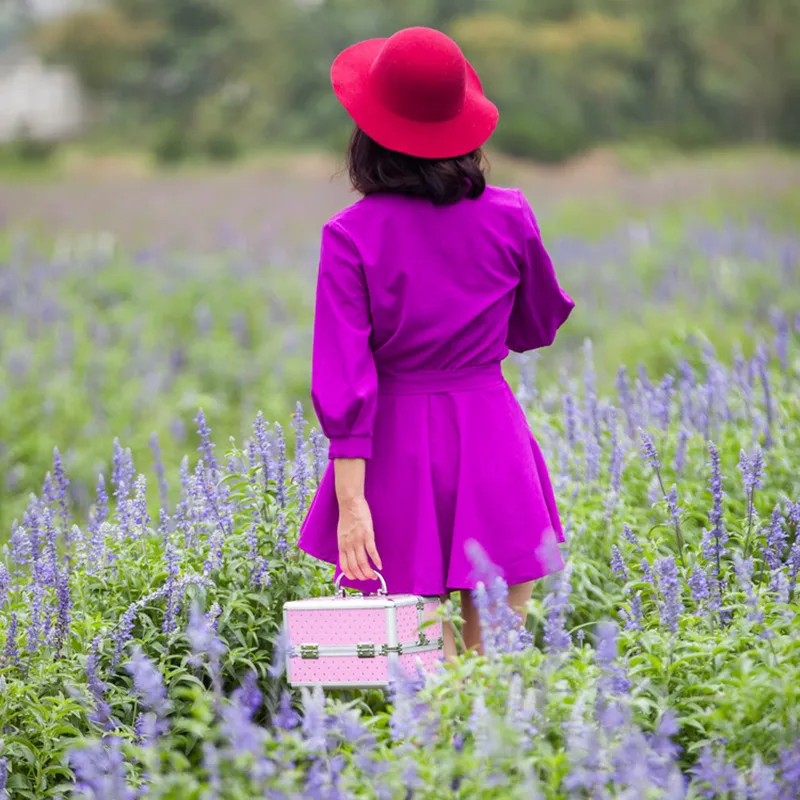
x=357 y=540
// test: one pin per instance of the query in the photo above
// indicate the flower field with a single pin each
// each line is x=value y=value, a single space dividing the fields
x=140 y=645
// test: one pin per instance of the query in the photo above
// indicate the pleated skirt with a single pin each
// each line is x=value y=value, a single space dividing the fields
x=453 y=460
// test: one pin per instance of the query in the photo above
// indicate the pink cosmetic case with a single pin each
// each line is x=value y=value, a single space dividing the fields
x=351 y=641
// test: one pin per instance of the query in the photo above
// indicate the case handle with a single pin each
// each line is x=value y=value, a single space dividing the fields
x=340 y=589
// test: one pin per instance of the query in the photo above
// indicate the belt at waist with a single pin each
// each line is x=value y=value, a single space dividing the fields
x=440 y=381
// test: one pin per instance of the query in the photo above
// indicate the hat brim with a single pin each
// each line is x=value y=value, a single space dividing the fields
x=462 y=134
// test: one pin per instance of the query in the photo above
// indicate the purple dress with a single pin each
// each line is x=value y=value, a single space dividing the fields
x=416 y=307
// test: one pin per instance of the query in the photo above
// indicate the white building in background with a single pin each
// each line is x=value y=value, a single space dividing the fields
x=36 y=100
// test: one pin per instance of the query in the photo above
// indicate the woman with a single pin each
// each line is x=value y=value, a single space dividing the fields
x=424 y=286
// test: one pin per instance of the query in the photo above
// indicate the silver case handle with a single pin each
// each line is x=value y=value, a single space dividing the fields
x=340 y=589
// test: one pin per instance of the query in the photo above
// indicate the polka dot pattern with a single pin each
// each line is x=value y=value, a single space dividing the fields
x=429 y=659
x=339 y=669
x=407 y=624
x=343 y=626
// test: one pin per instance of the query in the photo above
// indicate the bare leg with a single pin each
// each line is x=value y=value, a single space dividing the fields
x=449 y=635
x=518 y=597
x=472 y=625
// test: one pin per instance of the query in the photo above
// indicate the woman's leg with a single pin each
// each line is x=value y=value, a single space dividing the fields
x=518 y=597
x=448 y=634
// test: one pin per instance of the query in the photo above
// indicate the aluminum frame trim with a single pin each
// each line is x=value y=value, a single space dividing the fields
x=354 y=685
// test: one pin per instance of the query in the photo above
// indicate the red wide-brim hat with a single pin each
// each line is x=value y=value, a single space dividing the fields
x=414 y=93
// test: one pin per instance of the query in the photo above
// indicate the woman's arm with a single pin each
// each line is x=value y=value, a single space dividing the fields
x=344 y=392
x=356 y=534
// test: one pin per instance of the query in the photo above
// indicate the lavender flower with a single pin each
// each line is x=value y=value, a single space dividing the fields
x=173 y=567
x=618 y=564
x=614 y=679
x=570 y=420
x=263 y=449
x=671 y=606
x=776 y=539
x=647 y=572
x=206 y=446
x=762 y=362
x=319 y=455
x=148 y=683
x=713 y=775
x=63 y=611
x=408 y=716
x=790 y=769
x=714 y=544
x=205 y=644
x=286 y=718
x=96 y=550
x=21 y=545
x=281 y=648
x=259 y=566
x=281 y=532
x=521 y=711
x=793 y=564
x=3 y=778
x=680 y=451
x=698 y=584
x=752 y=469
x=5 y=584
x=556 y=604
x=211 y=766
x=244 y=737
x=672 y=503
x=664 y=401
x=280 y=472
x=587 y=758
x=35 y=632
x=763 y=781
x=624 y=390
x=630 y=537
x=137 y=514
x=744 y=575
x=62 y=488
x=122 y=480
x=10 y=653
x=100 y=771
x=158 y=463
x=314 y=717
x=633 y=618
x=501 y=628
x=649 y=452
x=102 y=712
x=301 y=471
x=592 y=451
x=617 y=455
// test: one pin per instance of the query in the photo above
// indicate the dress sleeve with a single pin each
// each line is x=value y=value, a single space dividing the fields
x=541 y=306
x=343 y=377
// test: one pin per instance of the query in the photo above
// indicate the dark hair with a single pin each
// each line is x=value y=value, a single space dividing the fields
x=374 y=169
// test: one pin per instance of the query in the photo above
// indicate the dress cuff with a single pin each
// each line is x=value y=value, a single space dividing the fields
x=350 y=447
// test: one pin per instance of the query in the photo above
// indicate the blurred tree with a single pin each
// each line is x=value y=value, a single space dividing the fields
x=99 y=44
x=222 y=74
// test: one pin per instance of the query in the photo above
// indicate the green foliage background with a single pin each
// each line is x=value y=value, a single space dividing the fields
x=203 y=76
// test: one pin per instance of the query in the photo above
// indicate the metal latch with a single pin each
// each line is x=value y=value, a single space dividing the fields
x=365 y=650
x=386 y=649
x=309 y=651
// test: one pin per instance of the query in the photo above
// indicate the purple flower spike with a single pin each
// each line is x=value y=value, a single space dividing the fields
x=649 y=451
x=671 y=606
x=100 y=771
x=618 y=564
